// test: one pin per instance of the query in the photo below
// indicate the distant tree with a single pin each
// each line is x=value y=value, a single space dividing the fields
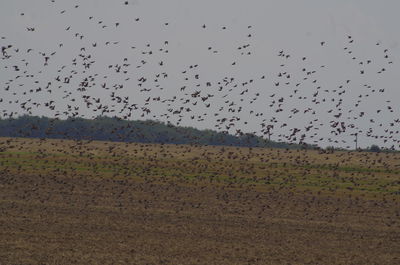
x=375 y=148
x=330 y=149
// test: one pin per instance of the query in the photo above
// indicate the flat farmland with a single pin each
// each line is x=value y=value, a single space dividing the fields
x=69 y=202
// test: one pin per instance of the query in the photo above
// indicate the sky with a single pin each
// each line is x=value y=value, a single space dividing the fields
x=210 y=64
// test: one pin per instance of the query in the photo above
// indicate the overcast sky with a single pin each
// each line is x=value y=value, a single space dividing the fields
x=329 y=70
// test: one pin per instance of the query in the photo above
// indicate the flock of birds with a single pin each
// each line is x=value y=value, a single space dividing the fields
x=272 y=104
x=293 y=105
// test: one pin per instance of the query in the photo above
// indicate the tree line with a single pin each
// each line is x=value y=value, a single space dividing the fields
x=115 y=129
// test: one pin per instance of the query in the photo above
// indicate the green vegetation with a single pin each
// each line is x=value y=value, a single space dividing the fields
x=341 y=172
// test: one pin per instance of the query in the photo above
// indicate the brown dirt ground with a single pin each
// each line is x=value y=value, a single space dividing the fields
x=80 y=219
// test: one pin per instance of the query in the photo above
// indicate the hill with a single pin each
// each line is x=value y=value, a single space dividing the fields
x=115 y=129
